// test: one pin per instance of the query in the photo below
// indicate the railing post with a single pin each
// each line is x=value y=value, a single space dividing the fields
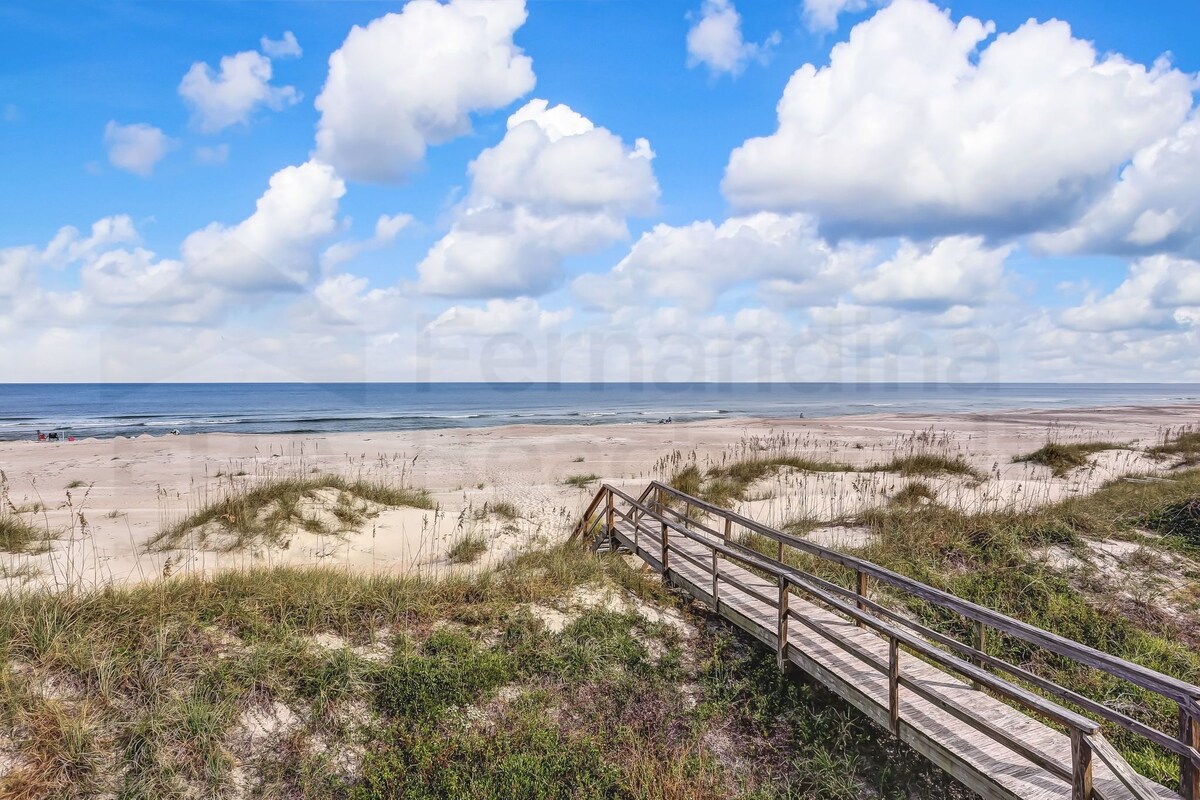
x=1189 y=734
x=1081 y=766
x=728 y=529
x=894 y=684
x=980 y=643
x=861 y=590
x=608 y=514
x=637 y=530
x=716 y=597
x=781 y=632
x=664 y=548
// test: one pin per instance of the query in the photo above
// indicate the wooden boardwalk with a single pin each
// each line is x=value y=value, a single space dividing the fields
x=949 y=711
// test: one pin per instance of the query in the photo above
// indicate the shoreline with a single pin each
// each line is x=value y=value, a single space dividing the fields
x=1005 y=415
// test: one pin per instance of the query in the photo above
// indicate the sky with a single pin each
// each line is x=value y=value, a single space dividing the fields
x=600 y=190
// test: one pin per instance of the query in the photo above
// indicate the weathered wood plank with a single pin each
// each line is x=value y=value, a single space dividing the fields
x=834 y=654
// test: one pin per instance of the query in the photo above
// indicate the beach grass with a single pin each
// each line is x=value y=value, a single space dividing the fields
x=317 y=683
x=1062 y=458
x=730 y=482
x=928 y=464
x=504 y=509
x=914 y=493
x=467 y=549
x=1181 y=445
x=19 y=536
x=581 y=481
x=268 y=513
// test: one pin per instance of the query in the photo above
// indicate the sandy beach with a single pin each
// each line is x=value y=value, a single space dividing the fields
x=126 y=490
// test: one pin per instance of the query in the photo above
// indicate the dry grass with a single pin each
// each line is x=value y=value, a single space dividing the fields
x=730 y=482
x=19 y=536
x=1182 y=446
x=928 y=464
x=581 y=481
x=467 y=549
x=504 y=509
x=914 y=494
x=382 y=687
x=1062 y=458
x=271 y=511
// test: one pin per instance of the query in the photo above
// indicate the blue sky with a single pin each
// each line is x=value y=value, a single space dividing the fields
x=910 y=209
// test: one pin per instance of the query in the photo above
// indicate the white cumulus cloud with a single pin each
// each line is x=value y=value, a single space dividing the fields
x=693 y=264
x=275 y=247
x=1153 y=208
x=285 y=47
x=229 y=96
x=1160 y=292
x=556 y=185
x=496 y=317
x=136 y=148
x=411 y=79
x=716 y=40
x=955 y=271
x=912 y=129
x=822 y=15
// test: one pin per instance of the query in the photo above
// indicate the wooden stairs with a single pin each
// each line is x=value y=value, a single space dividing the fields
x=999 y=728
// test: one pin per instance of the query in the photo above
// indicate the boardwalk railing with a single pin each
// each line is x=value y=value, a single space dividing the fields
x=663 y=525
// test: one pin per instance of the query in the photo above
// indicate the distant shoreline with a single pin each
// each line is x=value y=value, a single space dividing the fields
x=110 y=411
x=1025 y=415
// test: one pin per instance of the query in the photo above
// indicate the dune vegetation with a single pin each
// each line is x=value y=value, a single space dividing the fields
x=557 y=674
x=271 y=511
x=1062 y=458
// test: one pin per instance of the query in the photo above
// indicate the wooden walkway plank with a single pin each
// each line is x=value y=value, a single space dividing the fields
x=853 y=662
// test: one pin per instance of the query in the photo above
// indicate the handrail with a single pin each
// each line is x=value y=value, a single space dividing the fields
x=794 y=578
x=980 y=658
x=1147 y=678
x=582 y=525
x=1086 y=737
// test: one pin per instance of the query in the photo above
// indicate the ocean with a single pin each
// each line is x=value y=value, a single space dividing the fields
x=107 y=410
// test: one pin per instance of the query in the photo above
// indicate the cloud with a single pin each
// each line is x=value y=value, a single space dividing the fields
x=136 y=148
x=555 y=186
x=135 y=279
x=1161 y=292
x=221 y=99
x=19 y=265
x=498 y=317
x=716 y=40
x=956 y=271
x=275 y=247
x=412 y=79
x=912 y=130
x=214 y=155
x=348 y=300
x=693 y=264
x=1153 y=208
x=286 y=47
x=822 y=15
x=387 y=228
